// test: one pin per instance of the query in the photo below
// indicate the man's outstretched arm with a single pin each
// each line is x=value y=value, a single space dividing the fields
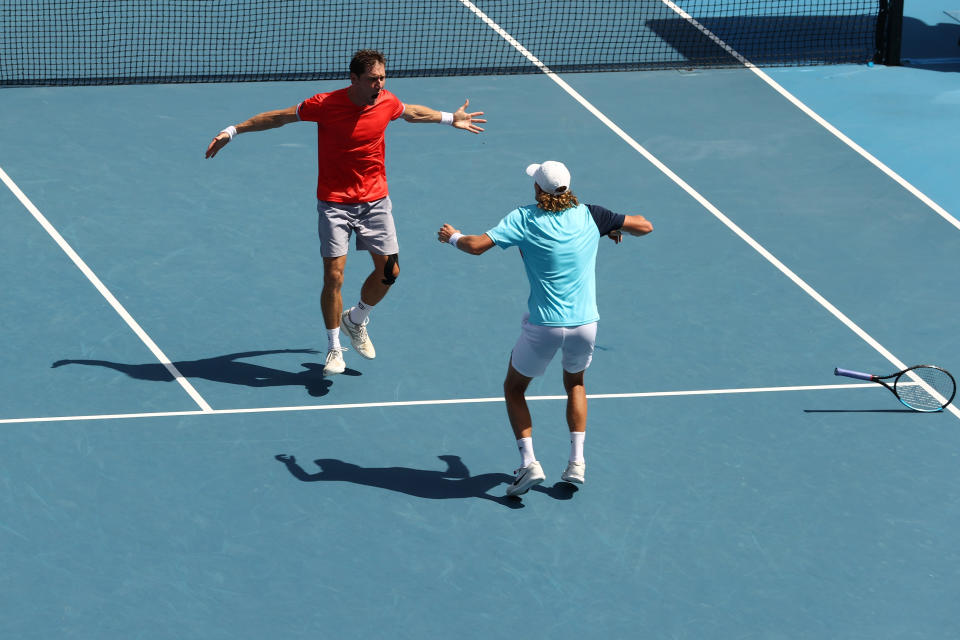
x=634 y=225
x=459 y=119
x=259 y=122
x=470 y=244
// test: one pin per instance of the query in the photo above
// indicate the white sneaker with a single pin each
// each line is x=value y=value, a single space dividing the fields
x=574 y=472
x=358 y=336
x=526 y=477
x=335 y=363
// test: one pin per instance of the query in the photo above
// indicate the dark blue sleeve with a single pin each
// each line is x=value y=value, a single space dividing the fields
x=605 y=219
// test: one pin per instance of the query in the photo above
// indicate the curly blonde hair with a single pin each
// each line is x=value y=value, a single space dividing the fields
x=556 y=203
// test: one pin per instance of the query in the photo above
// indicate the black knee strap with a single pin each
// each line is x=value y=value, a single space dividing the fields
x=388 y=277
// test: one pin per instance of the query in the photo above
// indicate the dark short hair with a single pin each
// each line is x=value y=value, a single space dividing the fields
x=364 y=59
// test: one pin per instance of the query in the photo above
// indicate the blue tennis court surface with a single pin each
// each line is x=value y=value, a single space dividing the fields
x=735 y=488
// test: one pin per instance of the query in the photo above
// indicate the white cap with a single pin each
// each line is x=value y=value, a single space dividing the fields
x=552 y=176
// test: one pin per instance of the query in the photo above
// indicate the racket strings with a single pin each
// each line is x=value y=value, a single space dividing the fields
x=925 y=388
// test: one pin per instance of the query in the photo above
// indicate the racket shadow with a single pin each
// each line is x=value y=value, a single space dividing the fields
x=861 y=411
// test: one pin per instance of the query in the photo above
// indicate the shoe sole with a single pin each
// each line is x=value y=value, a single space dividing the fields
x=362 y=354
x=332 y=372
x=356 y=347
x=572 y=480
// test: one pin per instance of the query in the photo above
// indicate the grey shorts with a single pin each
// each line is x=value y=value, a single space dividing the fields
x=537 y=345
x=371 y=221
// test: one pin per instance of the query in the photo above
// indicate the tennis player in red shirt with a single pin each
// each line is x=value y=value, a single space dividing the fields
x=352 y=195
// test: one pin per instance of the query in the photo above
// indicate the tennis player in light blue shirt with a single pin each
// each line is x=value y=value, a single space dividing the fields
x=559 y=256
x=558 y=238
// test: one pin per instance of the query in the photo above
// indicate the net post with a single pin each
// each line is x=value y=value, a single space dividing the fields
x=889 y=32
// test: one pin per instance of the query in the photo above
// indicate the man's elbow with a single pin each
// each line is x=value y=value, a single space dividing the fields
x=474 y=249
x=415 y=113
x=638 y=226
x=474 y=245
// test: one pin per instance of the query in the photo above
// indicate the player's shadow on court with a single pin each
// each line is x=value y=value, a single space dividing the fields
x=229 y=369
x=455 y=482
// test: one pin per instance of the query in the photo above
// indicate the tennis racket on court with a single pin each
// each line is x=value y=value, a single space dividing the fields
x=923 y=388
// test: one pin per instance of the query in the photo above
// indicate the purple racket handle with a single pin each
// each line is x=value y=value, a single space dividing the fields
x=852 y=374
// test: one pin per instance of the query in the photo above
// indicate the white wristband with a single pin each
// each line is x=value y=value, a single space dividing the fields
x=230 y=131
x=453 y=239
x=446 y=117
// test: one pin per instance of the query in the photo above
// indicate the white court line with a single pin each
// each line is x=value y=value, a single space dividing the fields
x=420 y=403
x=943 y=213
x=693 y=193
x=92 y=277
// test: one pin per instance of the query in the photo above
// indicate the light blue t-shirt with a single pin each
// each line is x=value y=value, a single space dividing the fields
x=559 y=254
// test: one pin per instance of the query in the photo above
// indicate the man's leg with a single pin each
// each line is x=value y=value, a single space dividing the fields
x=577 y=355
x=577 y=423
x=334 y=223
x=377 y=234
x=514 y=392
x=386 y=268
x=576 y=401
x=331 y=304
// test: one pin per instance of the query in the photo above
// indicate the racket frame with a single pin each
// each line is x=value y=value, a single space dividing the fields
x=859 y=375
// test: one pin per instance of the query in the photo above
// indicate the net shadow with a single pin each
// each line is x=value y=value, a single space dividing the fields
x=770 y=41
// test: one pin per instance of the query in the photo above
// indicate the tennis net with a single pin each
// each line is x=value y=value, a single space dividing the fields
x=80 y=42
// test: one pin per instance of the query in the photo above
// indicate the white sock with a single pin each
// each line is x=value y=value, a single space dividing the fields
x=576 y=445
x=526 y=451
x=333 y=339
x=360 y=313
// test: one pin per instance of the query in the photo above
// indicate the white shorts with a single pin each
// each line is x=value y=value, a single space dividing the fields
x=371 y=221
x=537 y=345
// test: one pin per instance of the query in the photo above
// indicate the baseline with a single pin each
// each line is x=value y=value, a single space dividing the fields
x=415 y=403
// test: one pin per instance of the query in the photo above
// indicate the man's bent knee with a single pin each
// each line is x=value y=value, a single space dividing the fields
x=572 y=380
x=515 y=382
x=391 y=269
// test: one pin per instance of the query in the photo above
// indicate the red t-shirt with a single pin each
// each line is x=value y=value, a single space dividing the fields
x=350 y=144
